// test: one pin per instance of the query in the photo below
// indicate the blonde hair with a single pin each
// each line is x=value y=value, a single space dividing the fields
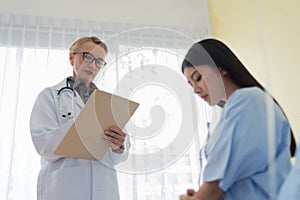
x=95 y=40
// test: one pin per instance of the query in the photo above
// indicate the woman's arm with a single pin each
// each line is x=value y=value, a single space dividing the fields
x=44 y=127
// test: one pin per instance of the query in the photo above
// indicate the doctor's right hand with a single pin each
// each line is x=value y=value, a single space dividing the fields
x=116 y=137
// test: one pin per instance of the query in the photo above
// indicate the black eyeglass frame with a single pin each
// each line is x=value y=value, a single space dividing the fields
x=97 y=60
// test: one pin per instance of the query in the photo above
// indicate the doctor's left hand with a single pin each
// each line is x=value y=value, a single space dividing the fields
x=116 y=137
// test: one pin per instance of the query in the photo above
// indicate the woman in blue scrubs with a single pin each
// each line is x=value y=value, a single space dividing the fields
x=291 y=187
x=248 y=154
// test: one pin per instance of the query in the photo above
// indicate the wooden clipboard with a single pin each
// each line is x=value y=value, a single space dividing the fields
x=84 y=138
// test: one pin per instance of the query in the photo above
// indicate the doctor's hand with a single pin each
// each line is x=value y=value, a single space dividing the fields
x=116 y=137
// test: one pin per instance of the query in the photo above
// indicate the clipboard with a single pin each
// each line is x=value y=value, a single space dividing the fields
x=84 y=139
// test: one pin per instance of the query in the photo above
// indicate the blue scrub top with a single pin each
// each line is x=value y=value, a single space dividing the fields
x=291 y=187
x=249 y=150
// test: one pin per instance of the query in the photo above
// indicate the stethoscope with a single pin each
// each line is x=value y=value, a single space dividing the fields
x=65 y=109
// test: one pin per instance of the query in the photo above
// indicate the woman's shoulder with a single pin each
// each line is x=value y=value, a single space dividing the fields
x=49 y=90
x=248 y=94
x=248 y=99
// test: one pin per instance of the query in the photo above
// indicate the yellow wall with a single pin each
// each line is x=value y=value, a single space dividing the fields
x=265 y=34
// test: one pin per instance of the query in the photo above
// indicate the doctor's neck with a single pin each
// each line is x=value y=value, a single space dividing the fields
x=78 y=81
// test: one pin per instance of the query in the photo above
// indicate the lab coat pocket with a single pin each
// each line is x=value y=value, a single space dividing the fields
x=65 y=183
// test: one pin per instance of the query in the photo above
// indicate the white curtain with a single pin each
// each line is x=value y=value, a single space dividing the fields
x=143 y=65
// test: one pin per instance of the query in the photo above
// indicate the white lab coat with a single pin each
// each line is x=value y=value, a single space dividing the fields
x=62 y=178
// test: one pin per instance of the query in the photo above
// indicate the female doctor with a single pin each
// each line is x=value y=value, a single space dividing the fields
x=248 y=153
x=56 y=107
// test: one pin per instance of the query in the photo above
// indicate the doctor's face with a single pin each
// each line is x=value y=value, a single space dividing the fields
x=87 y=61
x=206 y=82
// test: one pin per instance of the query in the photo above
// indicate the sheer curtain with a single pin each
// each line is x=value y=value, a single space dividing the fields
x=143 y=65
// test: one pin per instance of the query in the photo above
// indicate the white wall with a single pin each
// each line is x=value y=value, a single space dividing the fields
x=156 y=12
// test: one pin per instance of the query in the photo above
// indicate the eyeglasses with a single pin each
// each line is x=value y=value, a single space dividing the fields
x=88 y=57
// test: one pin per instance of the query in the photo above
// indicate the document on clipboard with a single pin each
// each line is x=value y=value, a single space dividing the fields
x=84 y=139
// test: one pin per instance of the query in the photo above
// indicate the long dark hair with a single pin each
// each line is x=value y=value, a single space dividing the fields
x=215 y=53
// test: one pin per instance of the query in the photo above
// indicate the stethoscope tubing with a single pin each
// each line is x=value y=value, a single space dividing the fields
x=67 y=87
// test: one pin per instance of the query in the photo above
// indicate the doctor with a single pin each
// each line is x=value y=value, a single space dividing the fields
x=63 y=178
x=248 y=153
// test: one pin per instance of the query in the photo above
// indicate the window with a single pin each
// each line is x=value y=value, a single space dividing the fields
x=143 y=64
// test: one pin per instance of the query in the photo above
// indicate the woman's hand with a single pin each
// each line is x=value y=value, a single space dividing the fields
x=116 y=137
x=189 y=195
x=207 y=191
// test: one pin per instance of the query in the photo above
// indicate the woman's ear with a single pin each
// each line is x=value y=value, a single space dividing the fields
x=71 y=58
x=223 y=71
